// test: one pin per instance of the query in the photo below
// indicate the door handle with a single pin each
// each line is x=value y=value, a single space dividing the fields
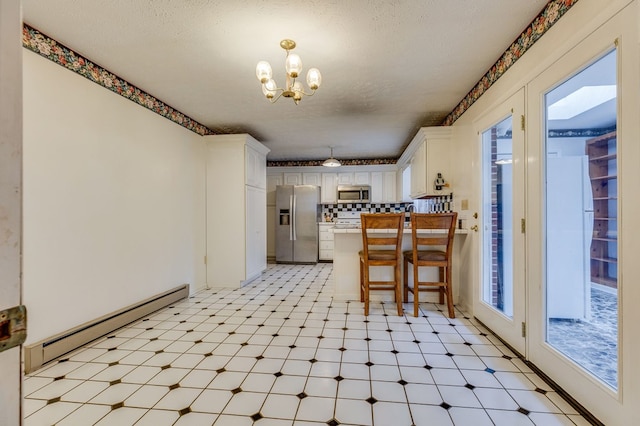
x=295 y=237
x=291 y=216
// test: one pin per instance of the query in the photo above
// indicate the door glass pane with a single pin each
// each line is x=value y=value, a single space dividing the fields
x=581 y=219
x=497 y=171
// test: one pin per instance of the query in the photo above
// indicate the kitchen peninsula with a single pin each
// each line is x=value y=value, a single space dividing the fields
x=346 y=269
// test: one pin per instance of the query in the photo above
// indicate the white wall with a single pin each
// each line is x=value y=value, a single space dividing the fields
x=113 y=201
x=10 y=201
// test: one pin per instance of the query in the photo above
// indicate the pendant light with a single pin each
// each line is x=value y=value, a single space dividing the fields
x=331 y=162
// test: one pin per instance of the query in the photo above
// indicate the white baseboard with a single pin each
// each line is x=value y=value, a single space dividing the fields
x=37 y=354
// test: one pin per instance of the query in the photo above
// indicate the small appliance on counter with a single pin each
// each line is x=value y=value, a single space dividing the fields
x=297 y=214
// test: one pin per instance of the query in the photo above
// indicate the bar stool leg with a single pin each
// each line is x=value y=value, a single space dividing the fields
x=405 y=281
x=450 y=294
x=398 y=289
x=416 y=289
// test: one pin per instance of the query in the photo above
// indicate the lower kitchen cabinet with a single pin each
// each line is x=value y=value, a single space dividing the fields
x=325 y=232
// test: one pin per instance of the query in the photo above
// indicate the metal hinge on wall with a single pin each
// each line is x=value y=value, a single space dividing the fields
x=205 y=260
x=522 y=122
x=523 y=225
x=524 y=329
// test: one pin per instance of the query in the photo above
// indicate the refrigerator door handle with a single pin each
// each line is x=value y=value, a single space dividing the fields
x=293 y=216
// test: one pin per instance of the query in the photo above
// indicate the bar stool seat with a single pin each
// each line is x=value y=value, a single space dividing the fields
x=432 y=248
x=381 y=246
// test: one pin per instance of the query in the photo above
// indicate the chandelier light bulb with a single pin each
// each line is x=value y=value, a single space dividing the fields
x=292 y=88
x=263 y=71
x=314 y=79
x=293 y=65
x=269 y=88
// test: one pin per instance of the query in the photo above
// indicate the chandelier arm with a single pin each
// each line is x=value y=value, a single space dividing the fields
x=309 y=94
x=273 y=100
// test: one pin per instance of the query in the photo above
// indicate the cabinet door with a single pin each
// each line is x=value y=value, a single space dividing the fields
x=329 y=188
x=251 y=166
x=311 y=179
x=361 y=178
x=419 y=172
x=293 y=179
x=377 y=187
x=345 y=178
x=389 y=187
x=437 y=161
x=272 y=182
x=256 y=231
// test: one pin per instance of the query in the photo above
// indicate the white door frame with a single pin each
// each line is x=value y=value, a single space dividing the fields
x=508 y=328
x=10 y=200
x=606 y=404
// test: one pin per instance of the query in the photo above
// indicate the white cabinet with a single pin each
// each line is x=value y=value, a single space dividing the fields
x=272 y=182
x=383 y=187
x=256 y=231
x=432 y=155
x=255 y=167
x=390 y=183
x=345 y=178
x=361 y=178
x=292 y=178
x=377 y=183
x=419 y=171
x=328 y=190
x=311 y=179
x=325 y=235
x=236 y=210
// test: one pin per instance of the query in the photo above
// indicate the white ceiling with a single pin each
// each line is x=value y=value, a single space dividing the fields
x=389 y=67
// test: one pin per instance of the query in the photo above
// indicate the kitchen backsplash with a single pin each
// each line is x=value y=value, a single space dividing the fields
x=438 y=204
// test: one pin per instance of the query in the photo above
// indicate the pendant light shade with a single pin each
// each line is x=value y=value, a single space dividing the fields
x=331 y=162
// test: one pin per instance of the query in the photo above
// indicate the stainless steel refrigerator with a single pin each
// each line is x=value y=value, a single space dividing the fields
x=297 y=215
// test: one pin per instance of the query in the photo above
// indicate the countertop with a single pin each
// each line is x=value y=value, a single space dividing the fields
x=349 y=229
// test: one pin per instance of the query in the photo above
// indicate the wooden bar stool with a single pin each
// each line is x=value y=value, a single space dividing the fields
x=381 y=246
x=431 y=248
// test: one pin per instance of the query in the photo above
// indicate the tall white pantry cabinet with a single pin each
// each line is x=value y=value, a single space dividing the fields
x=236 y=210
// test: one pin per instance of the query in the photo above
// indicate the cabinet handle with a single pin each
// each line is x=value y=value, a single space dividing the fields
x=474 y=228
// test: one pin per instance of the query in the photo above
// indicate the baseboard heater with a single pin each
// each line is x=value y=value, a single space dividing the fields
x=38 y=354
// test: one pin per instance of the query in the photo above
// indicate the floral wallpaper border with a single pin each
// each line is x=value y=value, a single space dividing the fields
x=305 y=163
x=552 y=12
x=43 y=45
x=47 y=47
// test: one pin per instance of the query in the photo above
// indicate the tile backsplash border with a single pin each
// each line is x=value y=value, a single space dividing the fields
x=438 y=204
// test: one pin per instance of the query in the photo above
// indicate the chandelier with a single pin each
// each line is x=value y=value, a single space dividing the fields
x=293 y=65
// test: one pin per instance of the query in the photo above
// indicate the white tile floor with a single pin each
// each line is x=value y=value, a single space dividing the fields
x=281 y=352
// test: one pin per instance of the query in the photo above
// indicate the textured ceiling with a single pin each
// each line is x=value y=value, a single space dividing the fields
x=388 y=66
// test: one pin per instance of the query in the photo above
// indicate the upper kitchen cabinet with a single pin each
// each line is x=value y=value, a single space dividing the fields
x=311 y=179
x=429 y=153
x=255 y=166
x=354 y=178
x=329 y=188
x=273 y=181
x=236 y=210
x=383 y=187
x=292 y=178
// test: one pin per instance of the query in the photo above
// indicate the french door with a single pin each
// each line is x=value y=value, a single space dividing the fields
x=499 y=300
x=572 y=188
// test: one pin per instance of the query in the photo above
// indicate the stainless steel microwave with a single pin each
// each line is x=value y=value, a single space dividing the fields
x=354 y=193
